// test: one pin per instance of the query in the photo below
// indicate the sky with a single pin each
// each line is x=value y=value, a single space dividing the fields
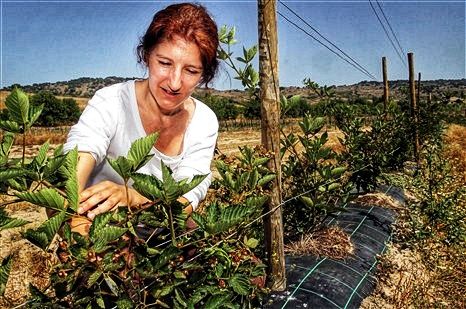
x=49 y=41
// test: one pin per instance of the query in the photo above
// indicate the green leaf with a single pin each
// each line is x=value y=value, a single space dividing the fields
x=147 y=185
x=307 y=201
x=34 y=113
x=7 y=142
x=179 y=297
x=139 y=151
x=5 y=268
x=252 y=243
x=193 y=183
x=37 y=237
x=48 y=198
x=124 y=303
x=52 y=225
x=112 y=285
x=167 y=254
x=71 y=184
x=18 y=106
x=99 y=222
x=240 y=284
x=338 y=171
x=265 y=180
x=7 y=222
x=41 y=157
x=106 y=235
x=10 y=126
x=216 y=301
x=121 y=165
x=100 y=302
x=11 y=173
x=93 y=278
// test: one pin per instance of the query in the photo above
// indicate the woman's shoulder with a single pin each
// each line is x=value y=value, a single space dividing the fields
x=115 y=91
x=204 y=115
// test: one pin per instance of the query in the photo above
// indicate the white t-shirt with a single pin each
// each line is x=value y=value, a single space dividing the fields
x=111 y=122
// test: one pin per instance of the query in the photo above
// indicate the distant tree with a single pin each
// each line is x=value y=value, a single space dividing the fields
x=252 y=109
x=56 y=112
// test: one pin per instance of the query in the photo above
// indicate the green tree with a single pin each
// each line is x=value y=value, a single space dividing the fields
x=56 y=112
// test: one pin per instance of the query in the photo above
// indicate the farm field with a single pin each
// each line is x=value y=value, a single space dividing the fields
x=404 y=273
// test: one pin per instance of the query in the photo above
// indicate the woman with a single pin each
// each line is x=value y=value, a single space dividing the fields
x=179 y=52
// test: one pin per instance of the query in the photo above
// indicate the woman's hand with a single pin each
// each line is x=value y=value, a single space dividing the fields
x=101 y=198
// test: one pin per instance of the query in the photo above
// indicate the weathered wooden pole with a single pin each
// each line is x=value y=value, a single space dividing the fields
x=385 y=84
x=270 y=122
x=418 y=98
x=414 y=112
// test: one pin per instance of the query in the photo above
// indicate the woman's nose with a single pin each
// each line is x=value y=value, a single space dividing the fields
x=174 y=81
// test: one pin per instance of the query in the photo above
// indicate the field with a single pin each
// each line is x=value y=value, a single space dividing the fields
x=415 y=273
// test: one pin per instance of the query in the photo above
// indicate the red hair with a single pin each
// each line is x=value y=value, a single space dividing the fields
x=191 y=22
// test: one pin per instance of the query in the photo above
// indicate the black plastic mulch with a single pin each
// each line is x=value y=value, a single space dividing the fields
x=314 y=282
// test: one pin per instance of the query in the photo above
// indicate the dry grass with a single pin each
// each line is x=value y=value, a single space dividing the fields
x=379 y=199
x=455 y=140
x=331 y=242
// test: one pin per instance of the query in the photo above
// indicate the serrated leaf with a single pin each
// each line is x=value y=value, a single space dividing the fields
x=5 y=268
x=41 y=157
x=11 y=173
x=106 y=235
x=38 y=238
x=71 y=185
x=10 y=126
x=48 y=198
x=34 y=113
x=18 y=106
x=7 y=142
x=216 y=301
x=7 y=222
x=240 y=284
x=195 y=181
x=112 y=285
x=93 y=278
x=99 y=222
x=52 y=225
x=167 y=254
x=147 y=185
x=121 y=165
x=139 y=151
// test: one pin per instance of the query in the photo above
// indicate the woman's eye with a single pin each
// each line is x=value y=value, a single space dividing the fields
x=194 y=72
x=164 y=63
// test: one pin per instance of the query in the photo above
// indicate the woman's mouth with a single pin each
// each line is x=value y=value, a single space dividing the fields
x=170 y=93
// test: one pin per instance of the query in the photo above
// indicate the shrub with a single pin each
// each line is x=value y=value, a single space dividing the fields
x=312 y=172
x=56 y=112
x=142 y=256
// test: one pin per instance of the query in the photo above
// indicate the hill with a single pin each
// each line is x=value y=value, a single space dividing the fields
x=85 y=87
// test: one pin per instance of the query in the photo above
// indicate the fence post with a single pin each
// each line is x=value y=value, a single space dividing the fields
x=414 y=111
x=270 y=136
x=385 y=84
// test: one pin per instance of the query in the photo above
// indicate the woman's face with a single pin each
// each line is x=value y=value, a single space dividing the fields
x=175 y=69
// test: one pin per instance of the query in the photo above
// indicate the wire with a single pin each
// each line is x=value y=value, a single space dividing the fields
x=391 y=29
x=323 y=44
x=387 y=34
x=328 y=41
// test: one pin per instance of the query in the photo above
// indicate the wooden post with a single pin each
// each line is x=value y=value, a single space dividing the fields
x=270 y=122
x=385 y=84
x=418 y=99
x=414 y=112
